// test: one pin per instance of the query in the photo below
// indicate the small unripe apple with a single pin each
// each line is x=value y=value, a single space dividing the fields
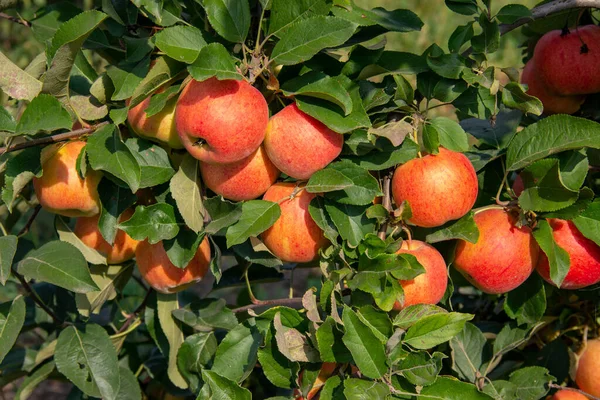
x=588 y=368
x=158 y=271
x=503 y=257
x=439 y=188
x=567 y=395
x=221 y=121
x=246 y=179
x=553 y=103
x=123 y=249
x=584 y=255
x=298 y=144
x=61 y=190
x=429 y=287
x=159 y=127
x=568 y=63
x=294 y=237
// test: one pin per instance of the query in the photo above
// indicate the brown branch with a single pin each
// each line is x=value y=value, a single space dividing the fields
x=294 y=302
x=37 y=300
x=137 y=311
x=15 y=19
x=589 y=396
x=61 y=137
x=386 y=203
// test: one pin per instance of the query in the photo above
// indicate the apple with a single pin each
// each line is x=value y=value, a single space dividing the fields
x=298 y=144
x=518 y=186
x=158 y=271
x=438 y=187
x=246 y=179
x=584 y=255
x=503 y=257
x=60 y=189
x=159 y=127
x=429 y=287
x=588 y=368
x=294 y=237
x=221 y=121
x=123 y=249
x=567 y=395
x=568 y=62
x=553 y=103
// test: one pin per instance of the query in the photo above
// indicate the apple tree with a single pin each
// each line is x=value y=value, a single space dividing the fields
x=235 y=199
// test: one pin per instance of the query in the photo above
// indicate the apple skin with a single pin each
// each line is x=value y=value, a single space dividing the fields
x=503 y=257
x=567 y=395
x=563 y=66
x=429 y=287
x=518 y=186
x=553 y=103
x=439 y=188
x=158 y=271
x=294 y=237
x=299 y=145
x=229 y=116
x=159 y=127
x=588 y=368
x=123 y=249
x=60 y=190
x=246 y=179
x=583 y=253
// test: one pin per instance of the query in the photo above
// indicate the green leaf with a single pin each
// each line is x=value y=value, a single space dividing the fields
x=164 y=71
x=206 y=315
x=166 y=304
x=399 y=20
x=183 y=247
x=129 y=387
x=488 y=41
x=156 y=222
x=17 y=83
x=181 y=43
x=451 y=134
x=185 y=189
x=230 y=18
x=252 y=254
x=285 y=13
x=316 y=208
x=126 y=78
x=8 y=248
x=395 y=131
x=60 y=264
x=66 y=234
x=531 y=382
x=223 y=388
x=360 y=389
x=447 y=65
x=574 y=167
x=558 y=258
x=107 y=152
x=497 y=134
x=390 y=157
x=44 y=113
x=435 y=329
x=588 y=223
x=514 y=96
x=280 y=371
x=431 y=139
x=476 y=102
x=350 y=221
x=109 y=279
x=366 y=349
x=469 y=352
x=20 y=170
x=317 y=84
x=35 y=378
x=544 y=188
x=195 y=354
x=7 y=122
x=89 y=360
x=448 y=388
x=509 y=338
x=63 y=50
x=237 y=354
x=461 y=35
x=12 y=317
x=364 y=186
x=153 y=160
x=421 y=369
x=330 y=344
x=302 y=40
x=513 y=12
x=223 y=213
x=88 y=107
x=214 y=60
x=413 y=314
x=115 y=200
x=464 y=229
x=257 y=216
x=292 y=344
x=527 y=303
x=549 y=136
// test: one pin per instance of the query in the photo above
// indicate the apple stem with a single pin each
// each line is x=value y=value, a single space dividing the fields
x=499 y=193
x=253 y=298
x=408 y=235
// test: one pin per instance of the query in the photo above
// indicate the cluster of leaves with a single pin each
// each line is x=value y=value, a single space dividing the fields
x=324 y=56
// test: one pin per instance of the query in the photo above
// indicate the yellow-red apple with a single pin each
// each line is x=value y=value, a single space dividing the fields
x=221 y=121
x=584 y=255
x=430 y=286
x=123 y=249
x=294 y=237
x=298 y=144
x=503 y=257
x=246 y=179
x=60 y=189
x=158 y=271
x=588 y=368
x=567 y=395
x=438 y=187
x=159 y=127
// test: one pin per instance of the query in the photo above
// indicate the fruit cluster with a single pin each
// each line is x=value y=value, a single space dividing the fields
x=564 y=69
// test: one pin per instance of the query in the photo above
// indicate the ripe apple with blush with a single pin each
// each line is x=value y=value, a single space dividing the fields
x=438 y=187
x=159 y=127
x=587 y=376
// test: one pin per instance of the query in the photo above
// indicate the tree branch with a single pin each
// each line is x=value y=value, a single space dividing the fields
x=589 y=396
x=36 y=299
x=61 y=137
x=15 y=19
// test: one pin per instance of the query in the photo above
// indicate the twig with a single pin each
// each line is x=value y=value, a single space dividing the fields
x=589 y=396
x=386 y=203
x=25 y=229
x=15 y=19
x=61 y=137
x=138 y=310
x=36 y=299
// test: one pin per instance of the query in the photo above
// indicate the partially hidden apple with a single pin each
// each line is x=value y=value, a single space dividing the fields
x=159 y=127
x=504 y=255
x=587 y=376
x=567 y=395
